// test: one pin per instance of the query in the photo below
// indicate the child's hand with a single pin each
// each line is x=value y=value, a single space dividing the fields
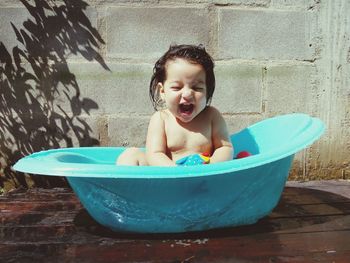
x=194 y=159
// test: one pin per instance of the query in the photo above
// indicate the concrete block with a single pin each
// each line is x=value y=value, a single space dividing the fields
x=292 y=3
x=31 y=35
x=15 y=16
x=123 y=89
x=238 y=88
x=165 y=2
x=127 y=131
x=87 y=130
x=26 y=134
x=129 y=2
x=263 y=34
x=242 y=2
x=238 y=122
x=82 y=88
x=290 y=89
x=146 y=33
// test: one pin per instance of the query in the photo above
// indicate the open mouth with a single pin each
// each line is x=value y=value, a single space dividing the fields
x=186 y=109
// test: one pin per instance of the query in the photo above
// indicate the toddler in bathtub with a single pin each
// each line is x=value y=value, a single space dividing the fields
x=185 y=129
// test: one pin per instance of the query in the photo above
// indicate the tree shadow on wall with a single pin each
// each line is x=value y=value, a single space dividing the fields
x=34 y=74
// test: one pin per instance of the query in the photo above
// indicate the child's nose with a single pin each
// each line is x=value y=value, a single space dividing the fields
x=186 y=92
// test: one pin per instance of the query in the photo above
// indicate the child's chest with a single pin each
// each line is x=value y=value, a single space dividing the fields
x=193 y=139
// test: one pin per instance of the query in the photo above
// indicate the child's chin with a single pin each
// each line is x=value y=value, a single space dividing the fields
x=185 y=119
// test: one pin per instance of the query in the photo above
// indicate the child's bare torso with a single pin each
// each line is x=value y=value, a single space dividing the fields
x=184 y=139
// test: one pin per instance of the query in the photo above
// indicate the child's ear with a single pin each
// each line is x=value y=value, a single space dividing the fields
x=160 y=88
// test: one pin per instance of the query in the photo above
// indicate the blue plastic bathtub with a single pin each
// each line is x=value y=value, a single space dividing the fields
x=183 y=198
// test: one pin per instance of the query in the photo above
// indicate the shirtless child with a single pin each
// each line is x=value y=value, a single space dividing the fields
x=184 y=123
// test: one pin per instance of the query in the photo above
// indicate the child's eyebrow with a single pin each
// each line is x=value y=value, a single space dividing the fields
x=176 y=82
x=198 y=82
x=193 y=83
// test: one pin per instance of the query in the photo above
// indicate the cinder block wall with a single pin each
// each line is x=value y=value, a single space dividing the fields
x=77 y=73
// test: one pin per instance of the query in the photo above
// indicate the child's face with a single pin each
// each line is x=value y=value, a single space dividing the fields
x=184 y=90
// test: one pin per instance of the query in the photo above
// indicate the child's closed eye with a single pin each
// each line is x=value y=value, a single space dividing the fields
x=176 y=88
x=198 y=88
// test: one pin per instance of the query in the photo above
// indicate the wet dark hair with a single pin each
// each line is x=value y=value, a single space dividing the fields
x=191 y=53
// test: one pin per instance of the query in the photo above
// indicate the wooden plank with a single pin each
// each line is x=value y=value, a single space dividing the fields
x=289 y=206
x=38 y=227
x=34 y=194
x=299 y=198
x=263 y=248
x=307 y=196
x=36 y=217
x=18 y=214
x=308 y=225
x=57 y=231
x=339 y=187
x=13 y=206
x=291 y=210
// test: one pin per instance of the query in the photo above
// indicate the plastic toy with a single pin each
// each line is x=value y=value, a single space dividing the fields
x=243 y=154
x=195 y=159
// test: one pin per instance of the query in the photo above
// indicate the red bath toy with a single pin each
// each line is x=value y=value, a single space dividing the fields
x=243 y=154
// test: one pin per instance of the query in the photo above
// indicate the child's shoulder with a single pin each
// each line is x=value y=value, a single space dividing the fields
x=214 y=115
x=160 y=115
x=212 y=111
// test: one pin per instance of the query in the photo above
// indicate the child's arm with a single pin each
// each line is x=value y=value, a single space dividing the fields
x=223 y=149
x=156 y=142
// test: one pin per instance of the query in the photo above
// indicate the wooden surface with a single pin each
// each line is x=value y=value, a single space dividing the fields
x=310 y=224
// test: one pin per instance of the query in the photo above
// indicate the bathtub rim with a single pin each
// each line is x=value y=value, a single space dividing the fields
x=34 y=163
